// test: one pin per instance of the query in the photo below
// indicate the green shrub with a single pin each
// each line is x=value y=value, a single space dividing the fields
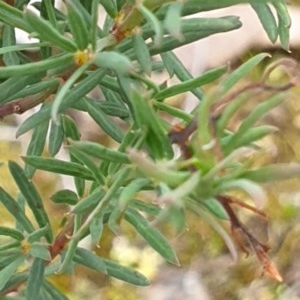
x=75 y=57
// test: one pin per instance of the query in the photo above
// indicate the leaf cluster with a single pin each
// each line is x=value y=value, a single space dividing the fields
x=75 y=57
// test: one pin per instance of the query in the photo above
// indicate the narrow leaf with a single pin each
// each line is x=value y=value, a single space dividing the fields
x=157 y=141
x=7 y=272
x=174 y=66
x=36 y=145
x=115 y=61
x=241 y=71
x=48 y=33
x=53 y=291
x=173 y=20
x=38 y=234
x=104 y=122
x=77 y=24
x=191 y=84
x=151 y=235
x=89 y=163
x=90 y=260
x=13 y=16
x=98 y=151
x=15 y=210
x=56 y=138
x=151 y=19
x=267 y=20
x=88 y=202
x=8 y=39
x=39 y=250
x=142 y=53
x=214 y=207
x=35 y=279
x=58 y=166
x=125 y=274
x=278 y=172
x=36 y=67
x=13 y=233
x=15 y=84
x=31 y=195
x=65 y=197
x=260 y=110
x=75 y=94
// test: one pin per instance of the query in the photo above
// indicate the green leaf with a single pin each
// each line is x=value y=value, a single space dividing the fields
x=250 y=136
x=110 y=7
x=173 y=111
x=267 y=20
x=125 y=197
x=125 y=274
x=60 y=97
x=77 y=24
x=173 y=20
x=50 y=13
x=191 y=84
x=31 y=195
x=96 y=229
x=284 y=23
x=14 y=233
x=39 y=250
x=148 y=208
x=58 y=166
x=15 y=210
x=56 y=138
x=151 y=235
x=255 y=191
x=36 y=145
x=154 y=22
x=241 y=71
x=70 y=128
x=47 y=32
x=89 y=163
x=276 y=172
x=142 y=53
x=53 y=291
x=174 y=66
x=114 y=108
x=115 y=61
x=8 y=39
x=35 y=279
x=105 y=122
x=36 y=67
x=12 y=16
x=37 y=88
x=78 y=181
x=75 y=94
x=116 y=182
x=65 y=197
x=260 y=110
x=215 y=207
x=131 y=189
x=194 y=29
x=229 y=110
x=15 y=84
x=38 y=234
x=90 y=260
x=156 y=171
x=98 y=151
x=7 y=272
x=88 y=202
x=157 y=141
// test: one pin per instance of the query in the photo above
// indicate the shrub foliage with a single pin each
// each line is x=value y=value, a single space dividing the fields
x=195 y=166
